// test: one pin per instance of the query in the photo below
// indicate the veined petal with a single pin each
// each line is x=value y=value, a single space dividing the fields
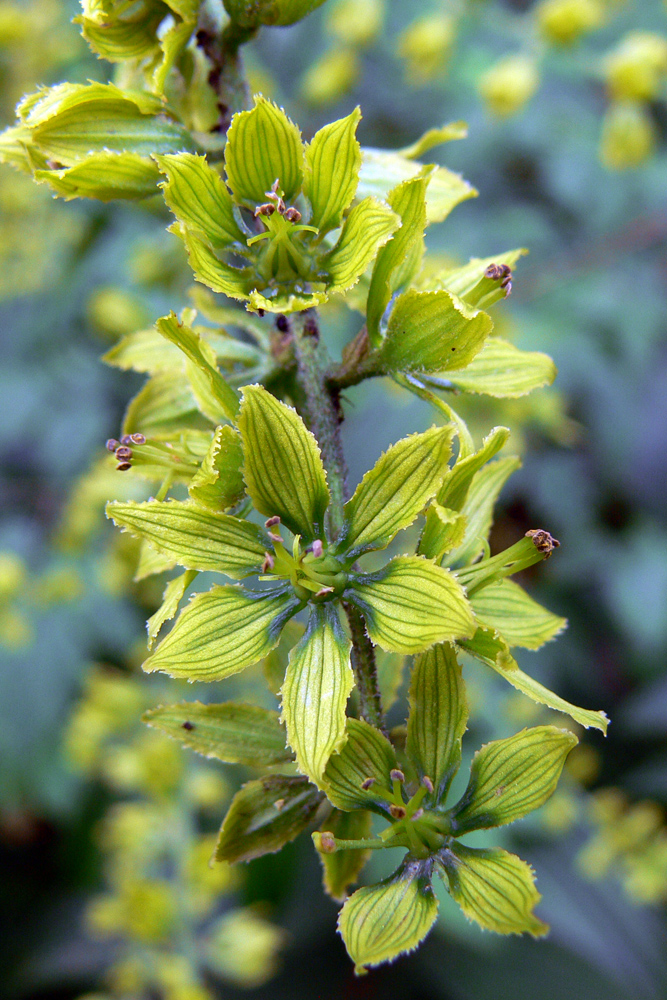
x=263 y=146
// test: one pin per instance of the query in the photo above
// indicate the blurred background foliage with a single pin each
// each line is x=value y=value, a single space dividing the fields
x=105 y=826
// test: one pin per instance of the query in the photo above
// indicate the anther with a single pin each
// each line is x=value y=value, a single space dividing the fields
x=397 y=812
x=268 y=563
x=293 y=215
x=138 y=438
x=126 y=439
x=318 y=548
x=324 y=591
x=112 y=444
x=282 y=323
x=188 y=726
x=267 y=209
x=365 y=785
x=272 y=521
x=274 y=537
x=123 y=454
x=428 y=784
x=327 y=843
x=543 y=541
x=418 y=814
x=397 y=775
x=279 y=803
x=123 y=466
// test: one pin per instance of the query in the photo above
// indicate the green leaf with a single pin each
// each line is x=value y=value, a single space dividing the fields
x=199 y=199
x=367 y=754
x=444 y=530
x=220 y=400
x=399 y=259
x=116 y=37
x=494 y=888
x=105 y=176
x=282 y=464
x=502 y=370
x=340 y=870
x=231 y=732
x=457 y=482
x=432 y=332
x=279 y=13
x=521 y=621
x=265 y=815
x=510 y=778
x=488 y=647
x=223 y=631
x=263 y=146
x=438 y=717
x=382 y=171
x=196 y=538
x=368 y=227
x=218 y=484
x=171 y=598
x=221 y=277
x=333 y=160
x=434 y=137
x=395 y=491
x=478 y=508
x=390 y=676
x=462 y=280
x=145 y=351
x=165 y=403
x=151 y=562
x=380 y=922
x=317 y=685
x=411 y=604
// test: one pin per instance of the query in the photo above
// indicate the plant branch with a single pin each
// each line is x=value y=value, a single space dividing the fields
x=365 y=669
x=226 y=76
x=359 y=363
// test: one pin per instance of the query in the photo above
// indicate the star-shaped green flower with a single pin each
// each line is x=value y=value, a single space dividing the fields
x=268 y=235
x=408 y=605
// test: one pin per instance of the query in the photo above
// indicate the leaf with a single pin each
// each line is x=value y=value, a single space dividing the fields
x=494 y=888
x=432 y=332
x=317 y=684
x=263 y=146
x=380 y=922
x=521 y=621
x=218 y=483
x=223 y=631
x=103 y=175
x=462 y=280
x=282 y=464
x=395 y=491
x=490 y=649
x=502 y=370
x=171 y=598
x=196 y=538
x=231 y=732
x=145 y=351
x=220 y=400
x=265 y=815
x=510 y=778
x=434 y=137
x=367 y=754
x=117 y=38
x=340 y=870
x=333 y=160
x=443 y=531
x=457 y=482
x=478 y=508
x=399 y=259
x=151 y=562
x=381 y=171
x=411 y=604
x=438 y=717
x=166 y=402
x=199 y=199
x=368 y=227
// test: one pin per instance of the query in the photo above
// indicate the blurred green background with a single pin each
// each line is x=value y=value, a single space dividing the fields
x=74 y=277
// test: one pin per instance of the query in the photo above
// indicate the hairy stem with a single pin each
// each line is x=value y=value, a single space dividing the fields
x=322 y=413
x=226 y=76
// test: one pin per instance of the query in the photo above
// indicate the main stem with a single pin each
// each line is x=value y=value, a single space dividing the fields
x=323 y=415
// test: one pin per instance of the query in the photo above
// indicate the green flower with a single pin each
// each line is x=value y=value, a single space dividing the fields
x=408 y=605
x=280 y=233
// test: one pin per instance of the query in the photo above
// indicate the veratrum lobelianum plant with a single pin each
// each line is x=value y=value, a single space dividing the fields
x=240 y=416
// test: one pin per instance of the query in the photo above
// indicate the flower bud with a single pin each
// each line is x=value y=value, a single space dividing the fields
x=508 y=85
x=636 y=70
x=628 y=136
x=278 y=13
x=563 y=22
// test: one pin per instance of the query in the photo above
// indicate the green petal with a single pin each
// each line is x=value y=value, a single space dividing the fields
x=521 y=621
x=333 y=160
x=145 y=351
x=233 y=281
x=263 y=146
x=233 y=733
x=366 y=754
x=432 y=332
x=340 y=870
x=199 y=199
x=488 y=647
x=434 y=137
x=380 y=922
x=314 y=695
x=196 y=538
x=265 y=815
x=438 y=717
x=219 y=482
x=171 y=598
x=216 y=397
x=382 y=171
x=502 y=370
x=368 y=227
x=494 y=888
x=510 y=778
x=221 y=632
x=399 y=259
x=411 y=604
x=457 y=482
x=151 y=562
x=395 y=491
x=283 y=468
x=444 y=530
x=478 y=508
x=105 y=176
